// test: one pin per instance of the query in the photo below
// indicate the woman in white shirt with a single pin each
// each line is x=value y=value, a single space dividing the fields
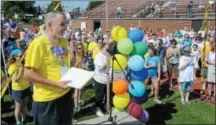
x=101 y=77
x=211 y=61
x=186 y=74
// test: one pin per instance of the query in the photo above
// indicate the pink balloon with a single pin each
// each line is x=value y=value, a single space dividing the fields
x=144 y=116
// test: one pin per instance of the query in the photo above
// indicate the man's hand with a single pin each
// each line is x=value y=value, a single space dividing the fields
x=63 y=84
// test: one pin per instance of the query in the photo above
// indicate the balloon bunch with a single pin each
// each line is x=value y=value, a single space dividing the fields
x=131 y=93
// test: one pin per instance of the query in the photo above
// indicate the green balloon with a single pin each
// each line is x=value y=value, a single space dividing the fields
x=140 y=48
x=125 y=46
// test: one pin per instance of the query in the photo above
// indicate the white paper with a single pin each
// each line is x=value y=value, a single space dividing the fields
x=78 y=77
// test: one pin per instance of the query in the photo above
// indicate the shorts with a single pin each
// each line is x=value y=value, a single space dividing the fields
x=55 y=112
x=172 y=67
x=19 y=95
x=204 y=71
x=186 y=86
x=153 y=76
x=211 y=77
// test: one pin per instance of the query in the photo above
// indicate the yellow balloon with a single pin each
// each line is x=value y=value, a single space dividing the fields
x=122 y=60
x=119 y=33
x=121 y=101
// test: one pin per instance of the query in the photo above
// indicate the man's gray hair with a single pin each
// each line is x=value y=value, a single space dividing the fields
x=51 y=16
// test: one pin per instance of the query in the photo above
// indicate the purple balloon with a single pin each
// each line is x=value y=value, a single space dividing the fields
x=144 y=116
x=142 y=99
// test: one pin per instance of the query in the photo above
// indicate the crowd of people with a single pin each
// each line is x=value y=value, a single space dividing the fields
x=49 y=52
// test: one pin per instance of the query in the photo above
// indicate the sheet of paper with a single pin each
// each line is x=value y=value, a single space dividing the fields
x=78 y=77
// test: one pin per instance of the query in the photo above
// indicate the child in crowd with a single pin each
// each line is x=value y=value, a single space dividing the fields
x=186 y=74
x=20 y=87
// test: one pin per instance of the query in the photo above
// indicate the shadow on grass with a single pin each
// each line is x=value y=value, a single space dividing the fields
x=158 y=114
x=195 y=94
x=88 y=111
x=89 y=101
x=165 y=92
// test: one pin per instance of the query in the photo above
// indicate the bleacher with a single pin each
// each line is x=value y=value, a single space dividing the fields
x=181 y=9
x=128 y=8
x=137 y=8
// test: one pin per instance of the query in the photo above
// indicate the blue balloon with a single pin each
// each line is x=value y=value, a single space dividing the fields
x=139 y=75
x=142 y=99
x=137 y=88
x=136 y=63
x=136 y=35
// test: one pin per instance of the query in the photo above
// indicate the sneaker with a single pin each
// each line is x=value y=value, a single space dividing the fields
x=157 y=101
x=99 y=113
x=183 y=102
x=187 y=101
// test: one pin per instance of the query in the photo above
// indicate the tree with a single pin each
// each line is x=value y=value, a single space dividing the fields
x=19 y=7
x=93 y=4
x=52 y=6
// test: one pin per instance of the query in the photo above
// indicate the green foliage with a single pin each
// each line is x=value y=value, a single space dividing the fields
x=93 y=4
x=19 y=7
x=35 y=21
x=52 y=6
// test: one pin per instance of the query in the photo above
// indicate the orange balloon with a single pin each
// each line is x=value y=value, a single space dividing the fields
x=120 y=86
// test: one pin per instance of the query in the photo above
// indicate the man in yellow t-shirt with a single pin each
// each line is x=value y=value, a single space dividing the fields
x=206 y=49
x=47 y=60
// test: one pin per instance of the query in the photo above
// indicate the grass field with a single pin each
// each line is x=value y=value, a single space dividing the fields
x=170 y=112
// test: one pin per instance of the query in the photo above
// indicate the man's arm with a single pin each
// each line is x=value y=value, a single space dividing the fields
x=31 y=74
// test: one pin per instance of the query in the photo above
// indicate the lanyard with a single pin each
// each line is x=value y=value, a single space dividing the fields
x=58 y=51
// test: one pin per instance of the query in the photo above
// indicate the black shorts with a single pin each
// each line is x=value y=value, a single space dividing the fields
x=19 y=95
x=55 y=112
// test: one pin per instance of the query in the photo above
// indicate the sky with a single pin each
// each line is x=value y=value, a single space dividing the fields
x=72 y=4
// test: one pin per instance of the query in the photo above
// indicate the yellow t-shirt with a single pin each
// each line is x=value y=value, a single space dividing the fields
x=85 y=46
x=21 y=84
x=40 y=57
x=93 y=47
x=207 y=50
